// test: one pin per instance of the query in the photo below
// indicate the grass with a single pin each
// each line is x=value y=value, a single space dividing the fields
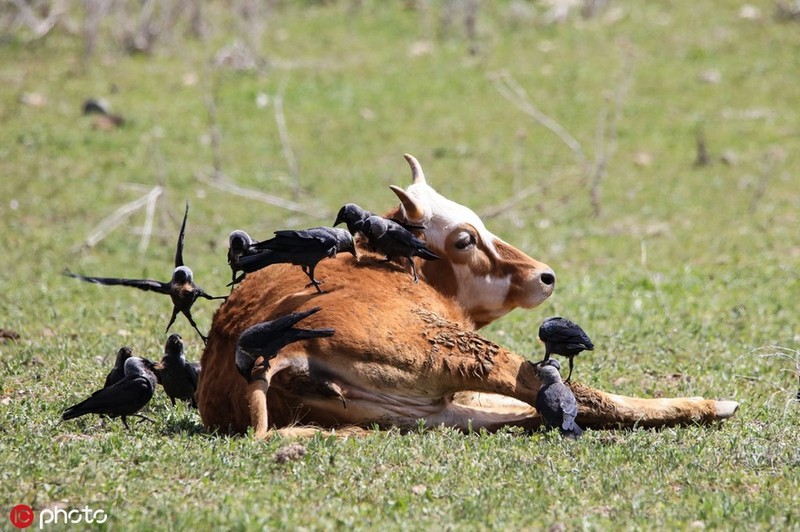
x=682 y=280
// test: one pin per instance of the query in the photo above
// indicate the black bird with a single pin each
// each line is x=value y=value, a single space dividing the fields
x=565 y=338
x=353 y=216
x=122 y=399
x=304 y=247
x=177 y=375
x=555 y=401
x=239 y=245
x=118 y=371
x=180 y=288
x=393 y=240
x=265 y=339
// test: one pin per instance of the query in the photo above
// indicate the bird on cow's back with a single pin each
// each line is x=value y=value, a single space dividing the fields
x=240 y=244
x=563 y=337
x=304 y=247
x=395 y=241
x=181 y=288
x=354 y=216
x=177 y=375
x=555 y=402
x=122 y=399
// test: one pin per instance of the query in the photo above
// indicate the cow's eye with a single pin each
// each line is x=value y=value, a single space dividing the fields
x=466 y=240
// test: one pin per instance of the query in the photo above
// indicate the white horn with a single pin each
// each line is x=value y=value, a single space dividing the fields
x=417 y=175
x=414 y=211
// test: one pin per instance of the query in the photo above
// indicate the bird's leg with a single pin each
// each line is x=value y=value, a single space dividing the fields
x=545 y=359
x=142 y=418
x=125 y=423
x=570 y=369
x=413 y=269
x=188 y=315
x=172 y=400
x=314 y=282
x=172 y=319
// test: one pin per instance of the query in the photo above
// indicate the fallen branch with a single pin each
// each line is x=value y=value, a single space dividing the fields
x=111 y=222
x=224 y=185
x=511 y=90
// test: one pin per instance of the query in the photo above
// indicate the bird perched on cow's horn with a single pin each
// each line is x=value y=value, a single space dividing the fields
x=124 y=398
x=180 y=288
x=177 y=375
x=565 y=338
x=265 y=339
x=393 y=240
x=555 y=401
x=305 y=248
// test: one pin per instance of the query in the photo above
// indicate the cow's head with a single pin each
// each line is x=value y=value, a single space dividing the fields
x=486 y=275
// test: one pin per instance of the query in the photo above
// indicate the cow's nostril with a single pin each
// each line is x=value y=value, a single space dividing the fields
x=548 y=278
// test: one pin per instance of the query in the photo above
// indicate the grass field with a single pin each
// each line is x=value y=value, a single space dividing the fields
x=685 y=275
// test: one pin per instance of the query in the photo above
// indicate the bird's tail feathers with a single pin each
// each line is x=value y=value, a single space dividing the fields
x=426 y=254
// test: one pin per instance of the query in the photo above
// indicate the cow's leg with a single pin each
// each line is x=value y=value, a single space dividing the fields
x=477 y=365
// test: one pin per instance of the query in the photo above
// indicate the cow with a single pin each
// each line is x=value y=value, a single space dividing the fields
x=404 y=353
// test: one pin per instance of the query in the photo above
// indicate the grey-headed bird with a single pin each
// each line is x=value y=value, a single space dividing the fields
x=563 y=337
x=177 y=375
x=124 y=398
x=181 y=288
x=353 y=216
x=239 y=245
x=393 y=240
x=555 y=401
x=305 y=248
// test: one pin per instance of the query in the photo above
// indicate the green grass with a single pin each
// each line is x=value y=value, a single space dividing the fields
x=682 y=280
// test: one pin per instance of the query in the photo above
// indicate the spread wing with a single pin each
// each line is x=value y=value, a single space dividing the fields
x=179 y=250
x=142 y=284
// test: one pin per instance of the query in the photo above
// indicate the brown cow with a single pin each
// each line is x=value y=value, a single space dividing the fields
x=404 y=351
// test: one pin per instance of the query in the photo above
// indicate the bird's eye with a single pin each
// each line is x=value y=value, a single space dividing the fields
x=465 y=241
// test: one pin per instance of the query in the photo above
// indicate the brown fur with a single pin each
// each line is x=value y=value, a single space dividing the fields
x=407 y=342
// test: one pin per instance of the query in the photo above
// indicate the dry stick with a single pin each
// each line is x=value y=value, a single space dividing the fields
x=147 y=229
x=283 y=133
x=508 y=87
x=231 y=188
x=39 y=27
x=120 y=215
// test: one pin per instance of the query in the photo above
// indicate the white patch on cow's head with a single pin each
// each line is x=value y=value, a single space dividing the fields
x=486 y=275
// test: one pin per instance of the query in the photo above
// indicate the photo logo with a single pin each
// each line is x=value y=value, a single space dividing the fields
x=21 y=516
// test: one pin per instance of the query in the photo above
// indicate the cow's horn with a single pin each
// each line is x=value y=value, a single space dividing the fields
x=417 y=175
x=414 y=211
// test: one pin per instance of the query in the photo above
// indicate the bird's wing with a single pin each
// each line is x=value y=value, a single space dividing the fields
x=569 y=406
x=192 y=374
x=179 y=250
x=141 y=284
x=266 y=331
x=298 y=241
x=112 y=399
